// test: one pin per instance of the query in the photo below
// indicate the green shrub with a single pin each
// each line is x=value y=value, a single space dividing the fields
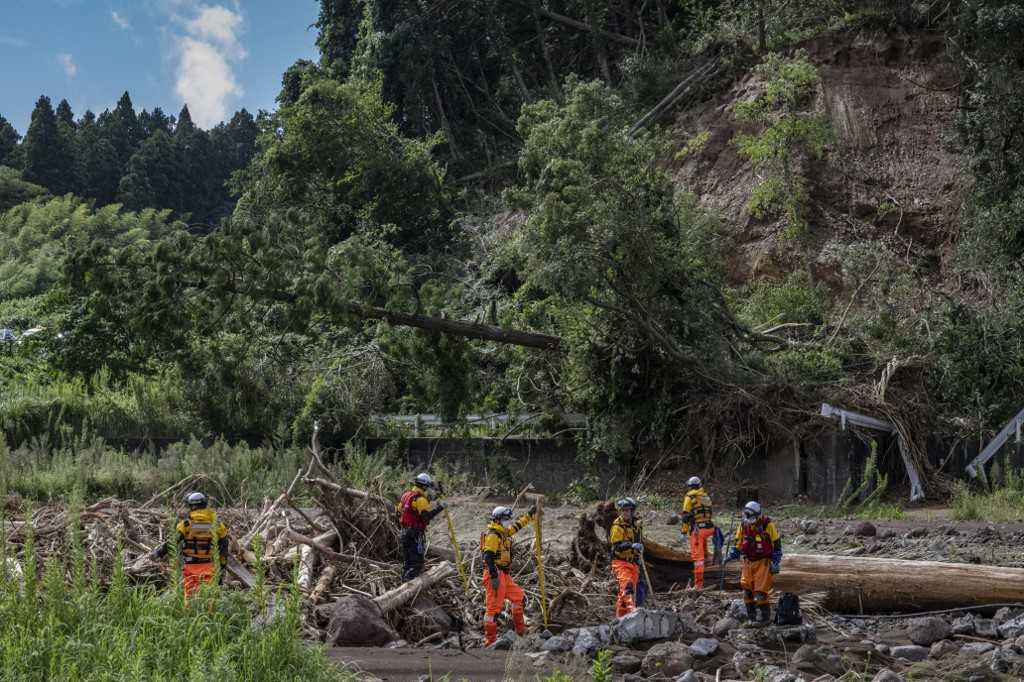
x=78 y=630
x=1003 y=504
x=797 y=299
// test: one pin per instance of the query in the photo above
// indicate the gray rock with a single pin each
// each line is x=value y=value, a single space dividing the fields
x=704 y=647
x=624 y=664
x=964 y=625
x=882 y=649
x=397 y=644
x=1003 y=662
x=943 y=648
x=646 y=625
x=910 y=652
x=984 y=627
x=1019 y=644
x=506 y=642
x=886 y=675
x=976 y=648
x=819 y=659
x=673 y=520
x=737 y=610
x=1011 y=628
x=559 y=643
x=809 y=527
x=688 y=676
x=586 y=643
x=887 y=534
x=723 y=626
x=667 y=659
x=1005 y=614
x=865 y=529
x=916 y=533
x=928 y=630
x=774 y=637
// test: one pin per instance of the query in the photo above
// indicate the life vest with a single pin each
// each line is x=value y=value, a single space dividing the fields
x=700 y=507
x=503 y=555
x=756 y=544
x=410 y=518
x=199 y=532
x=625 y=532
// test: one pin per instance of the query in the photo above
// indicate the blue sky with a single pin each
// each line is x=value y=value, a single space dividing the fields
x=216 y=55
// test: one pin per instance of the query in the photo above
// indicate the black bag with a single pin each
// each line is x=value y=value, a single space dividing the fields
x=788 y=610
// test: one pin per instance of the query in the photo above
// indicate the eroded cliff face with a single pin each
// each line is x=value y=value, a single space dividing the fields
x=894 y=177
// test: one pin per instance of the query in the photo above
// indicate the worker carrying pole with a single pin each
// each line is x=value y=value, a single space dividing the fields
x=414 y=516
x=759 y=544
x=697 y=526
x=200 y=539
x=499 y=587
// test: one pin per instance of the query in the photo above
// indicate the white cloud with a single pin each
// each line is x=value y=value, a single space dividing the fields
x=70 y=68
x=121 y=22
x=11 y=41
x=207 y=54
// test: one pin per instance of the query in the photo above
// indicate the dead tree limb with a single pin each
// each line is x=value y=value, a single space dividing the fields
x=577 y=24
x=391 y=600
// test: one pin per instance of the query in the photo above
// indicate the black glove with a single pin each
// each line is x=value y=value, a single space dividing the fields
x=532 y=511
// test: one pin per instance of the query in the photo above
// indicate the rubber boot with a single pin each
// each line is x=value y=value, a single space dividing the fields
x=490 y=632
x=519 y=622
x=751 y=613
x=765 y=614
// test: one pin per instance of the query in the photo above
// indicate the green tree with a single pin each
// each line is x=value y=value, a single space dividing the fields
x=789 y=129
x=151 y=122
x=622 y=264
x=155 y=177
x=14 y=190
x=65 y=115
x=9 y=138
x=48 y=160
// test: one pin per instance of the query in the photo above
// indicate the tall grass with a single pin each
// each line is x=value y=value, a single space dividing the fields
x=1002 y=501
x=64 y=626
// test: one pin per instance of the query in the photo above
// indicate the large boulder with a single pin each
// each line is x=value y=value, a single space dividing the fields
x=964 y=625
x=667 y=659
x=357 y=621
x=724 y=626
x=974 y=649
x=910 y=652
x=865 y=529
x=647 y=625
x=809 y=526
x=943 y=648
x=886 y=675
x=1011 y=628
x=927 y=631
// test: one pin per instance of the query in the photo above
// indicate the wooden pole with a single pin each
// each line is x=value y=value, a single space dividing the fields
x=538 y=546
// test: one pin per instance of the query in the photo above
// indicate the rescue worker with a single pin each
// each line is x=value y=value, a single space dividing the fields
x=698 y=526
x=415 y=515
x=496 y=545
x=627 y=545
x=759 y=544
x=196 y=536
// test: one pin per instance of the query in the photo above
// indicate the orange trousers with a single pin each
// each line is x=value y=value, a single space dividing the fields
x=698 y=550
x=757 y=580
x=507 y=590
x=194 y=575
x=628 y=575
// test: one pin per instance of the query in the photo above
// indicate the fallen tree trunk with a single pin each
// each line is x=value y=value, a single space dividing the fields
x=861 y=584
x=391 y=600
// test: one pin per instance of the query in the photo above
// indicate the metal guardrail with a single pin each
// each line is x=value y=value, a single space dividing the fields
x=1014 y=427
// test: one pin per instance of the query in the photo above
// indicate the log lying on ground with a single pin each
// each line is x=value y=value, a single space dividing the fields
x=391 y=600
x=860 y=584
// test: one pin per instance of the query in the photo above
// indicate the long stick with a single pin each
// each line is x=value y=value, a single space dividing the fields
x=647 y=577
x=539 y=555
x=458 y=553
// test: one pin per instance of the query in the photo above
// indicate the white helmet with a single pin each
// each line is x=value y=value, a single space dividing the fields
x=625 y=503
x=751 y=510
x=196 y=500
x=424 y=480
x=694 y=482
x=501 y=513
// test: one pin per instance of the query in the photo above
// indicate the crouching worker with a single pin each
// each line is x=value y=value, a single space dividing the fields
x=196 y=536
x=627 y=546
x=414 y=516
x=499 y=587
x=759 y=544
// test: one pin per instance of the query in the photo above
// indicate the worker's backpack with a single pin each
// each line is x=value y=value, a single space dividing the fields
x=788 y=610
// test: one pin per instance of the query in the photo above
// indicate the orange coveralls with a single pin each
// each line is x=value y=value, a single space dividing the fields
x=625 y=563
x=496 y=544
x=697 y=523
